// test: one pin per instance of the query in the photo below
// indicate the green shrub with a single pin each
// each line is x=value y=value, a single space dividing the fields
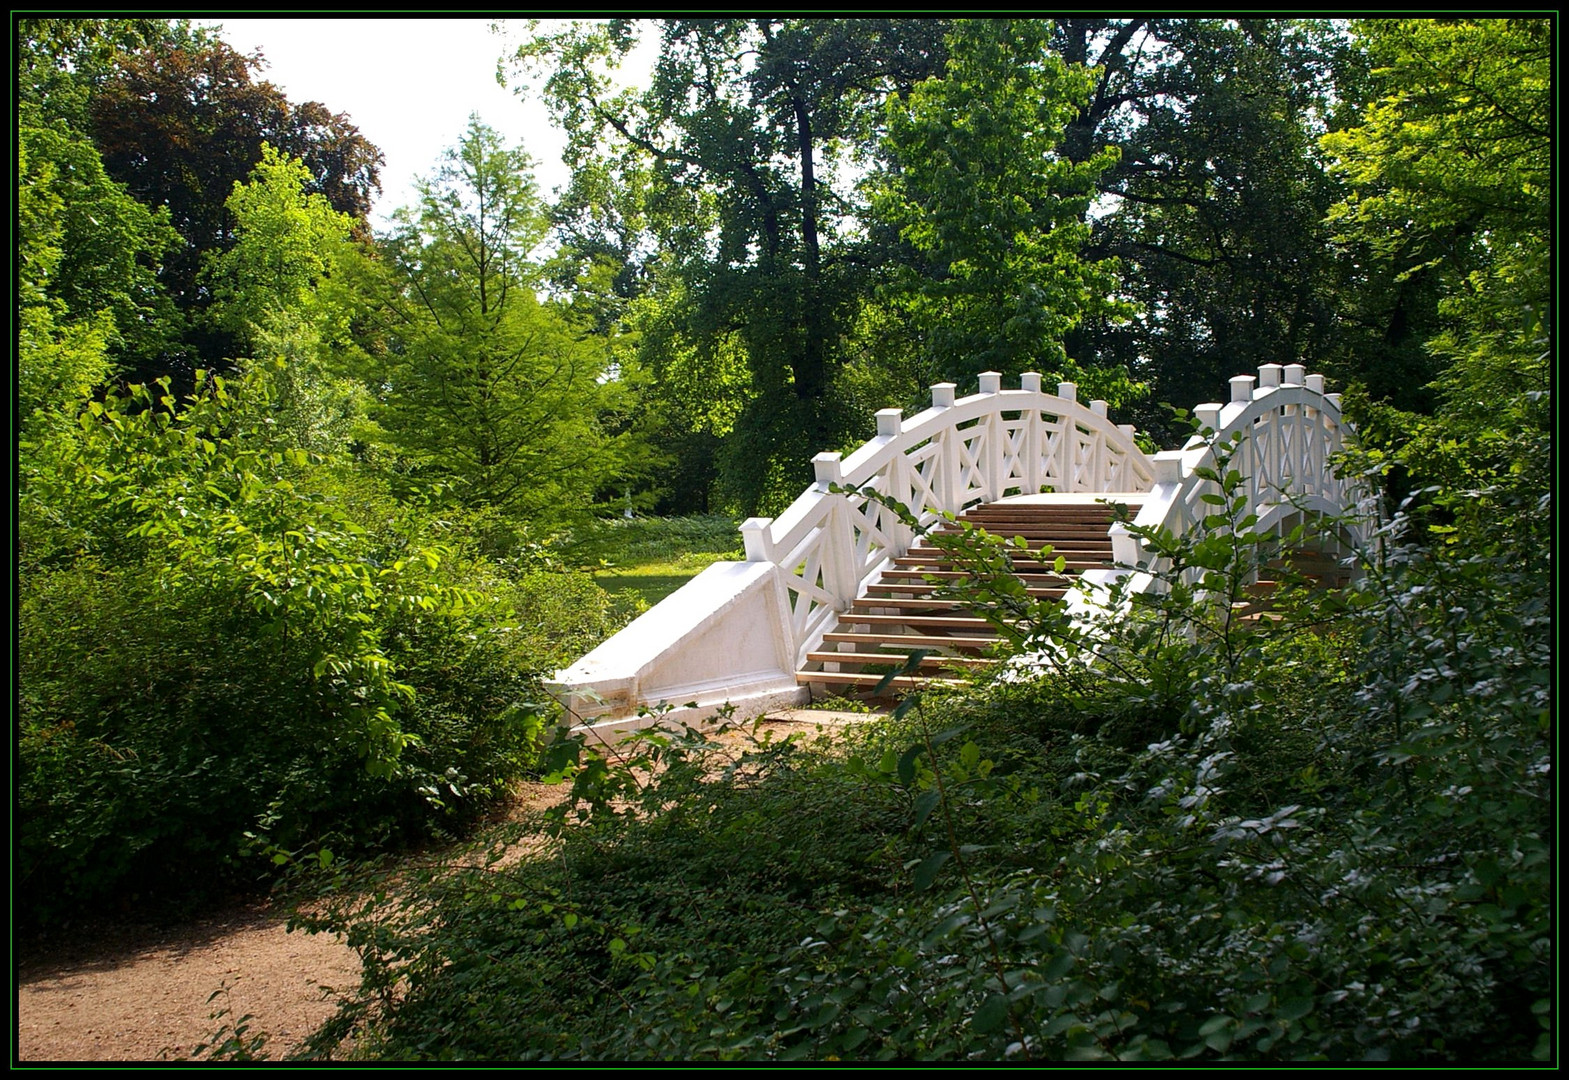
x=224 y=646
x=1326 y=837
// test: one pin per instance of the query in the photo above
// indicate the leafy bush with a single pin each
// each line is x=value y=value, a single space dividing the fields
x=224 y=645
x=1325 y=836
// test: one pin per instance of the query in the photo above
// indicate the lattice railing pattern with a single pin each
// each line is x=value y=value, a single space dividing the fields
x=957 y=453
x=1285 y=430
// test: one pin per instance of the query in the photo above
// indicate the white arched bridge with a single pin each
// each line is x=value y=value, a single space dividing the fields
x=837 y=589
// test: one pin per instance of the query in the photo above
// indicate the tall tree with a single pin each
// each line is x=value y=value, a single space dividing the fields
x=1451 y=170
x=760 y=120
x=87 y=251
x=978 y=185
x=270 y=290
x=179 y=125
x=1215 y=207
x=484 y=384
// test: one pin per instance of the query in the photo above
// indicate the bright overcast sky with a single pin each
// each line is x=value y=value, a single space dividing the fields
x=408 y=84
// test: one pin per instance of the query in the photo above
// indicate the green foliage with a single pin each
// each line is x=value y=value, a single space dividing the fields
x=1192 y=836
x=286 y=241
x=742 y=145
x=227 y=646
x=180 y=123
x=87 y=256
x=977 y=185
x=625 y=541
x=273 y=290
x=1451 y=168
x=1215 y=208
x=484 y=386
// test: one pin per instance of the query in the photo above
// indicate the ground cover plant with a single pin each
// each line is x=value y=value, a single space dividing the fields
x=1323 y=836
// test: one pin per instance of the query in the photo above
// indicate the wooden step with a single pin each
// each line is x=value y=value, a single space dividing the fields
x=895 y=660
x=1036 y=567
x=1036 y=554
x=939 y=577
x=895 y=590
x=886 y=604
x=851 y=678
x=899 y=612
x=912 y=641
x=1042 y=532
x=956 y=622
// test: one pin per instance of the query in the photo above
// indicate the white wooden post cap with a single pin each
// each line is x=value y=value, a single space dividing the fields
x=829 y=467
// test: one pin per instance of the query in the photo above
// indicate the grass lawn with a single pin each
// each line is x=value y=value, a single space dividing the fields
x=654 y=581
x=652 y=557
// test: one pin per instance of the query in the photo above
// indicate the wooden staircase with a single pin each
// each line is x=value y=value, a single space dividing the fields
x=900 y=611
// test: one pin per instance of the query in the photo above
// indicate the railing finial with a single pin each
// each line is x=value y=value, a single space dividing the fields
x=829 y=467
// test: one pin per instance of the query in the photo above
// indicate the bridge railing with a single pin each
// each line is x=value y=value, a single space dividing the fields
x=1278 y=435
x=957 y=453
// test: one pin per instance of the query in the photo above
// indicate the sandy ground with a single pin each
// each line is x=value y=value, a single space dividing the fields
x=142 y=993
x=138 y=993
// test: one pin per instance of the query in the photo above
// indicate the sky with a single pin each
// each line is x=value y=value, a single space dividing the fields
x=409 y=85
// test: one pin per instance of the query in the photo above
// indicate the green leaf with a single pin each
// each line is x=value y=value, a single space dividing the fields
x=992 y=1014
x=926 y=872
x=1294 y=1008
x=925 y=803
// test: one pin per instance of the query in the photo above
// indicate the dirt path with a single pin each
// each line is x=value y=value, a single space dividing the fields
x=139 y=993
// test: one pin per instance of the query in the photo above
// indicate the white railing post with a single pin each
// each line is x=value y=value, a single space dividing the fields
x=989 y=455
x=754 y=536
x=1068 y=440
x=946 y=483
x=896 y=480
x=838 y=554
x=1098 y=452
x=1033 y=439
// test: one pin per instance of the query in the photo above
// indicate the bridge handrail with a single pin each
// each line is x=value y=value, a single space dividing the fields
x=1282 y=433
x=979 y=448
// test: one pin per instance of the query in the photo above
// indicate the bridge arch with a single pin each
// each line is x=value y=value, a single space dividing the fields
x=739 y=632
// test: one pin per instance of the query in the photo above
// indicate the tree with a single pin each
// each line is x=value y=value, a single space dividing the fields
x=88 y=301
x=978 y=186
x=1451 y=171
x=269 y=291
x=1214 y=208
x=750 y=127
x=179 y=125
x=286 y=242
x=484 y=384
